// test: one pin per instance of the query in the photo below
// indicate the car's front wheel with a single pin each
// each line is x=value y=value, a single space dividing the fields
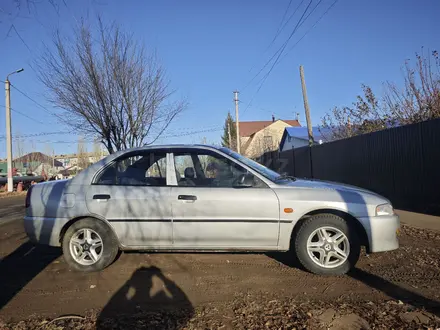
x=89 y=245
x=326 y=244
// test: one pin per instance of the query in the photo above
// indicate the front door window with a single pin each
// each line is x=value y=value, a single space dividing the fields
x=203 y=168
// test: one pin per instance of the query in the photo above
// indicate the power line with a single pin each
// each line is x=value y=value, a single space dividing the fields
x=287 y=41
x=165 y=136
x=62 y=142
x=25 y=115
x=287 y=22
x=310 y=29
x=215 y=129
x=275 y=54
x=280 y=52
x=22 y=40
x=281 y=26
x=38 y=104
x=279 y=30
x=36 y=134
x=185 y=129
x=294 y=45
x=194 y=132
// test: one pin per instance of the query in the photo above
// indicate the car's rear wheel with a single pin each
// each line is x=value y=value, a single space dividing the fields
x=326 y=244
x=89 y=245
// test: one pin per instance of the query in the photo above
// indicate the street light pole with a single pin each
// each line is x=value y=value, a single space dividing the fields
x=9 y=130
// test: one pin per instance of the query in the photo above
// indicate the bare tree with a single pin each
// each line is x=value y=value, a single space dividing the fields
x=32 y=157
x=29 y=5
x=109 y=87
x=19 y=143
x=97 y=152
x=82 y=155
x=417 y=101
x=18 y=153
x=364 y=116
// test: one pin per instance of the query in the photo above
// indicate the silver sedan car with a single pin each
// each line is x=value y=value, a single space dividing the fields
x=194 y=197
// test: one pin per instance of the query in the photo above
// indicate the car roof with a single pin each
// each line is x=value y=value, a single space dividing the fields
x=169 y=146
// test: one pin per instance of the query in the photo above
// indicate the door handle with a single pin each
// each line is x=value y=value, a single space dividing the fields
x=101 y=197
x=187 y=197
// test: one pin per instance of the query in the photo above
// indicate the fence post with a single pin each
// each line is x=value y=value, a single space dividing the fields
x=293 y=161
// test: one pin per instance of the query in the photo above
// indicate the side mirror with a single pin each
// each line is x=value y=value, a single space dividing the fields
x=244 y=181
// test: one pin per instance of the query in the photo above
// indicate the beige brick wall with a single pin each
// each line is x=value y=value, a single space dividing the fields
x=260 y=142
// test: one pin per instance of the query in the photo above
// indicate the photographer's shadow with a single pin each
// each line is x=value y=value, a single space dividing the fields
x=147 y=300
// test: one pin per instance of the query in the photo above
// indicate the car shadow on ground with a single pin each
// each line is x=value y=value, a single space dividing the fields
x=395 y=291
x=21 y=266
x=286 y=258
x=392 y=290
x=147 y=300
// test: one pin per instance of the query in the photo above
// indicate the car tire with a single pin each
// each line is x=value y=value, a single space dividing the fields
x=81 y=257
x=311 y=242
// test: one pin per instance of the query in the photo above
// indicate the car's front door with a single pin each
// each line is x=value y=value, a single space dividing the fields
x=211 y=210
x=132 y=194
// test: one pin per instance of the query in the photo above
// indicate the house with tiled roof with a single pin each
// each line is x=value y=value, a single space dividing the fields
x=259 y=137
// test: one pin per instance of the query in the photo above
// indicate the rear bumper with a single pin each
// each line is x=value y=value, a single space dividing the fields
x=44 y=230
x=382 y=232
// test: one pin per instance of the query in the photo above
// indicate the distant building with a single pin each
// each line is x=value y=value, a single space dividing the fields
x=70 y=160
x=259 y=137
x=37 y=163
x=296 y=137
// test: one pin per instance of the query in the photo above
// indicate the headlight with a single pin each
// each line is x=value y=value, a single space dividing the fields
x=384 y=209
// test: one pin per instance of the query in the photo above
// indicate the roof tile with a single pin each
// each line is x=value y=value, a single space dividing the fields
x=247 y=128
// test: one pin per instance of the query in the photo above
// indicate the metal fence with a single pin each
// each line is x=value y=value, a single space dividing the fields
x=402 y=164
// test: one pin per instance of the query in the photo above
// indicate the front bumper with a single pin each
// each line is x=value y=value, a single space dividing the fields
x=382 y=232
x=44 y=230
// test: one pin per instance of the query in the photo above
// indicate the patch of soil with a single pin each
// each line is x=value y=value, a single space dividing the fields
x=5 y=194
x=255 y=312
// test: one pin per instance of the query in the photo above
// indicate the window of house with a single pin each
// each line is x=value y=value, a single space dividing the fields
x=267 y=143
x=140 y=169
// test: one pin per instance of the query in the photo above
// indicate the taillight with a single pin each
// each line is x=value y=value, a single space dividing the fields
x=28 y=197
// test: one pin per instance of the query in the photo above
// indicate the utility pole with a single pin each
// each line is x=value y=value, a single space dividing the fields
x=306 y=106
x=237 y=128
x=229 y=135
x=9 y=135
x=9 y=130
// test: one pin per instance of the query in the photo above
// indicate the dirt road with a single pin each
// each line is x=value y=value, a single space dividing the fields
x=35 y=281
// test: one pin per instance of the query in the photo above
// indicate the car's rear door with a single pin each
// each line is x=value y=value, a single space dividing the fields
x=210 y=213
x=132 y=194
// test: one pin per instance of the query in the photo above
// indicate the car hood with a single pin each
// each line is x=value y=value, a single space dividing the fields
x=329 y=185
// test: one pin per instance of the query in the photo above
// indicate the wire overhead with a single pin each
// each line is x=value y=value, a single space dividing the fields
x=276 y=57
x=279 y=30
x=38 y=104
x=24 y=115
x=310 y=29
x=278 y=54
x=282 y=26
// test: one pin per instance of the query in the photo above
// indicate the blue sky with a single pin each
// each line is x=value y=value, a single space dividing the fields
x=211 y=48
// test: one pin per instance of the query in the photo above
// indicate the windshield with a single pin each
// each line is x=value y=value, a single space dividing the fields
x=263 y=170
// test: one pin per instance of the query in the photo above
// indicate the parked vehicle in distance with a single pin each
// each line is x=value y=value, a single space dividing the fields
x=201 y=198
